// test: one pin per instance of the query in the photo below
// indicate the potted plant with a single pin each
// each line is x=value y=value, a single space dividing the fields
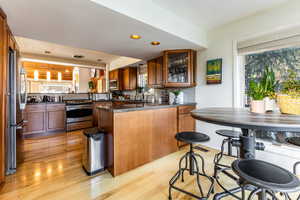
x=270 y=84
x=289 y=97
x=257 y=93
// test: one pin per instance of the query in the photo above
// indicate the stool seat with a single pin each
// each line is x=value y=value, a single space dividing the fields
x=266 y=175
x=192 y=137
x=228 y=133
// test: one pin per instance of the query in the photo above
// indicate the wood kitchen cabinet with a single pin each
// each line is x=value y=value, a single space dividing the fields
x=95 y=110
x=155 y=72
x=35 y=117
x=42 y=119
x=115 y=79
x=129 y=78
x=175 y=69
x=56 y=117
x=179 y=68
x=185 y=121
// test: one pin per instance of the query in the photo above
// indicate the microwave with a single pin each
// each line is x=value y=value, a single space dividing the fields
x=113 y=85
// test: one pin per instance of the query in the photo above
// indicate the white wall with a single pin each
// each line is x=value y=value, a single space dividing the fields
x=220 y=45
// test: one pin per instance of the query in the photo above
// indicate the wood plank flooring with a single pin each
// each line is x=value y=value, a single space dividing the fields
x=52 y=171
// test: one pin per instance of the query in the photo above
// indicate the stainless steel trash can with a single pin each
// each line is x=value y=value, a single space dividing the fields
x=93 y=157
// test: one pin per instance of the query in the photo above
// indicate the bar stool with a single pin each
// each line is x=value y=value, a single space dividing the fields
x=230 y=137
x=267 y=178
x=191 y=164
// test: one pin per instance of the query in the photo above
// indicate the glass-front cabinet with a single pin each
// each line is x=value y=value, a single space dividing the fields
x=179 y=68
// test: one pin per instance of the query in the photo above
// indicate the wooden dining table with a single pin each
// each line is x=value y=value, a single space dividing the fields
x=248 y=122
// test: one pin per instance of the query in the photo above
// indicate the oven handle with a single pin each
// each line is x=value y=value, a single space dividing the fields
x=68 y=108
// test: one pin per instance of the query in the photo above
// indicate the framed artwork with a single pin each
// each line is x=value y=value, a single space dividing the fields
x=214 y=71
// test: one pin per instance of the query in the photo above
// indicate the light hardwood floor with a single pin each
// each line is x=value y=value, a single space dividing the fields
x=52 y=171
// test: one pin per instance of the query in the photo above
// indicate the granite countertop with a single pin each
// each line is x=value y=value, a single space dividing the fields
x=142 y=106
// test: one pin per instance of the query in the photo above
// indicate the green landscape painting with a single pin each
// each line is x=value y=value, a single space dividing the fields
x=214 y=71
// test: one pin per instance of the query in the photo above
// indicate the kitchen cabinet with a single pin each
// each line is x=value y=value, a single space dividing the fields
x=95 y=110
x=35 y=117
x=42 y=119
x=179 y=68
x=175 y=69
x=56 y=117
x=115 y=79
x=185 y=121
x=155 y=72
x=129 y=78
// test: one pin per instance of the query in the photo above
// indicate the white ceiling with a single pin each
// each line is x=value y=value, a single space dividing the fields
x=30 y=46
x=88 y=25
x=85 y=24
x=213 y=13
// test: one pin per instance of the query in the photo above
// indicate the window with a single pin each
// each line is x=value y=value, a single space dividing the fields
x=281 y=61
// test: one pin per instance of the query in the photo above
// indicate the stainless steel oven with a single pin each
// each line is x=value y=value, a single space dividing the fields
x=79 y=114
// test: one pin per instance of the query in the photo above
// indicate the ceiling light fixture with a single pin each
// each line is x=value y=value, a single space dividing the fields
x=155 y=43
x=135 y=37
x=67 y=71
x=78 y=56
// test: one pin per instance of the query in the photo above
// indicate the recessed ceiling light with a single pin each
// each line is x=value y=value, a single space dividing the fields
x=47 y=52
x=135 y=37
x=67 y=71
x=78 y=56
x=155 y=43
x=99 y=60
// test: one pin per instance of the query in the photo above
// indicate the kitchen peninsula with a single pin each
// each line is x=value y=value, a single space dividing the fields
x=140 y=133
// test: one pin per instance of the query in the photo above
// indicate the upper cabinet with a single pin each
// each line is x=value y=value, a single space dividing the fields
x=123 y=79
x=155 y=72
x=129 y=78
x=176 y=68
x=179 y=66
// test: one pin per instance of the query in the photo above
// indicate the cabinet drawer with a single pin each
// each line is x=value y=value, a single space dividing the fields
x=35 y=107
x=185 y=109
x=55 y=107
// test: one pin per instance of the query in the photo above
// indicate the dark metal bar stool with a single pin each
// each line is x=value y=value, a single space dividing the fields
x=267 y=179
x=191 y=165
x=230 y=137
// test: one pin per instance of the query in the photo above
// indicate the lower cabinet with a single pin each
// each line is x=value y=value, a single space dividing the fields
x=56 y=117
x=185 y=121
x=44 y=118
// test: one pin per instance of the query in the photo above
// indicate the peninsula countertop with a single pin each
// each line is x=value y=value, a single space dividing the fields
x=141 y=106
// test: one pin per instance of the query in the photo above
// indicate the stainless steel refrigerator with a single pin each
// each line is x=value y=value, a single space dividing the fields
x=16 y=102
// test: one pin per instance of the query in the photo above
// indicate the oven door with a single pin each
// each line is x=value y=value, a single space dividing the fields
x=79 y=113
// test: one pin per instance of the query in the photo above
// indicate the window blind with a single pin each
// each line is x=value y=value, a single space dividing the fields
x=283 y=39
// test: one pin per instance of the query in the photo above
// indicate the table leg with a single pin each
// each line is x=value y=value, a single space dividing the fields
x=247 y=148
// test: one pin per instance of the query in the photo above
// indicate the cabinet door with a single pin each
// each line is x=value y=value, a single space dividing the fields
x=126 y=79
x=159 y=71
x=133 y=78
x=179 y=68
x=36 y=122
x=151 y=66
x=56 y=117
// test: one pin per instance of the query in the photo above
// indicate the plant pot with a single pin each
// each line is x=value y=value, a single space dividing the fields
x=258 y=106
x=269 y=104
x=289 y=104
